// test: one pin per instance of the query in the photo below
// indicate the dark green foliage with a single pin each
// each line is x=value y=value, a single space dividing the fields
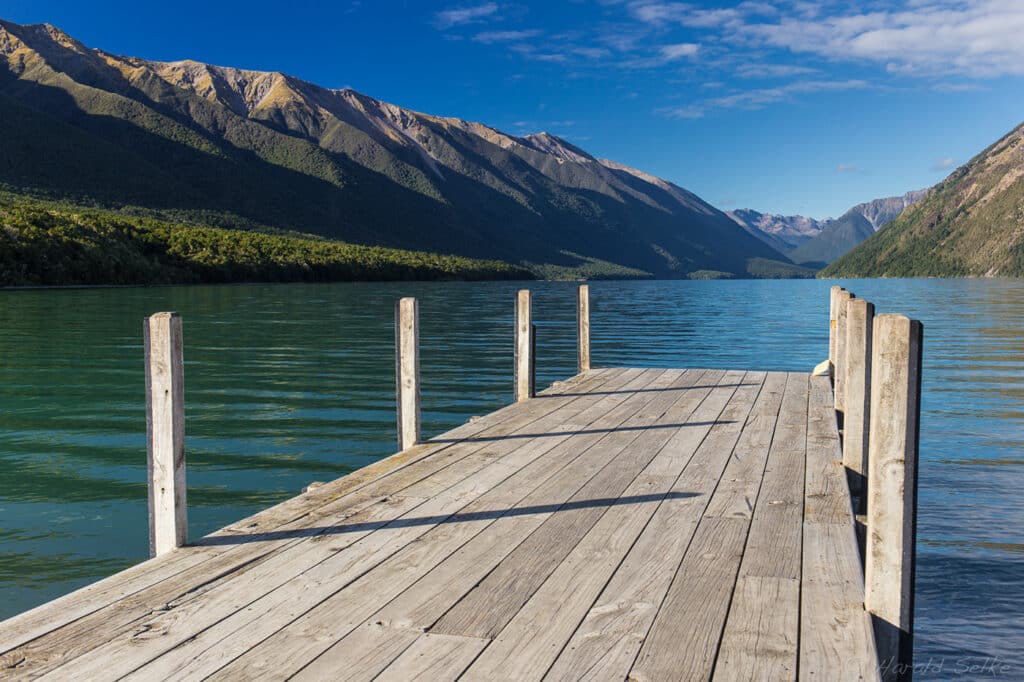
x=763 y=268
x=45 y=246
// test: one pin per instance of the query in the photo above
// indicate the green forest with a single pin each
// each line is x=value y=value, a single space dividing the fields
x=53 y=245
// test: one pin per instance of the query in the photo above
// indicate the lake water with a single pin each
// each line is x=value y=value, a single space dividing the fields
x=289 y=384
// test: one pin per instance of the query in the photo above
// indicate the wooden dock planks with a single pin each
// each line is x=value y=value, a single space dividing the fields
x=628 y=523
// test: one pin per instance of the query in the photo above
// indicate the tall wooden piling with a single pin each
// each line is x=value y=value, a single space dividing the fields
x=583 y=328
x=165 y=432
x=833 y=308
x=839 y=380
x=533 y=360
x=523 y=347
x=892 y=487
x=407 y=371
x=860 y=316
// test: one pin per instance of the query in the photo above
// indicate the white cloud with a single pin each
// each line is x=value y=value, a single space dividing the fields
x=658 y=12
x=678 y=51
x=943 y=165
x=844 y=168
x=458 y=16
x=975 y=37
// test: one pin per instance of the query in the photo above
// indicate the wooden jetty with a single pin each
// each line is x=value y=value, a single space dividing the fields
x=628 y=523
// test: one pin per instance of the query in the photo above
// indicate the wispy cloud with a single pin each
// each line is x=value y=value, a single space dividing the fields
x=760 y=97
x=845 y=168
x=766 y=71
x=944 y=164
x=458 y=16
x=688 y=112
x=591 y=52
x=957 y=87
x=489 y=37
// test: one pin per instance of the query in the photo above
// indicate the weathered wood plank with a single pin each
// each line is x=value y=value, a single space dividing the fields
x=737 y=489
x=355 y=602
x=531 y=641
x=425 y=602
x=448 y=467
x=695 y=607
x=492 y=603
x=773 y=545
x=827 y=494
x=434 y=658
x=683 y=640
x=371 y=649
x=273 y=649
x=606 y=643
x=760 y=637
x=834 y=627
x=836 y=642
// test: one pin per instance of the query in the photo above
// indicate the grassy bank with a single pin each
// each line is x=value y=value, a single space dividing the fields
x=51 y=245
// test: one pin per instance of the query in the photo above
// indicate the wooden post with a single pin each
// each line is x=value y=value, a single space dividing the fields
x=165 y=432
x=859 y=320
x=833 y=307
x=892 y=487
x=533 y=360
x=839 y=380
x=407 y=371
x=583 y=329
x=523 y=347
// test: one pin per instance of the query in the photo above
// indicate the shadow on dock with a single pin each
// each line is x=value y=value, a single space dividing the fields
x=627 y=391
x=582 y=432
x=482 y=515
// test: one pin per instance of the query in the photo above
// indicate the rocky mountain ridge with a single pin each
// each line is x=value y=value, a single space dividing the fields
x=239 y=148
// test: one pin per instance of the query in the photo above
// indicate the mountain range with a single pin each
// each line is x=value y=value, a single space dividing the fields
x=815 y=243
x=969 y=225
x=226 y=147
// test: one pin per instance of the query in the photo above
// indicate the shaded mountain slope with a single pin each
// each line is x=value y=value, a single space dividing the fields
x=238 y=148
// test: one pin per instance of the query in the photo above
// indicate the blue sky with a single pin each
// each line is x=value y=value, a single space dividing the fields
x=788 y=106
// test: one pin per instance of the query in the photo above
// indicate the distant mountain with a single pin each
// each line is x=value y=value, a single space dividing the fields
x=781 y=232
x=234 y=148
x=850 y=229
x=970 y=224
x=815 y=243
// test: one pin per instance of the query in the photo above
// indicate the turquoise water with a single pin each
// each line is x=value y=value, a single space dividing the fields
x=289 y=384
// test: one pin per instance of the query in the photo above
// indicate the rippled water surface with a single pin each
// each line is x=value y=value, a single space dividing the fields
x=289 y=384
